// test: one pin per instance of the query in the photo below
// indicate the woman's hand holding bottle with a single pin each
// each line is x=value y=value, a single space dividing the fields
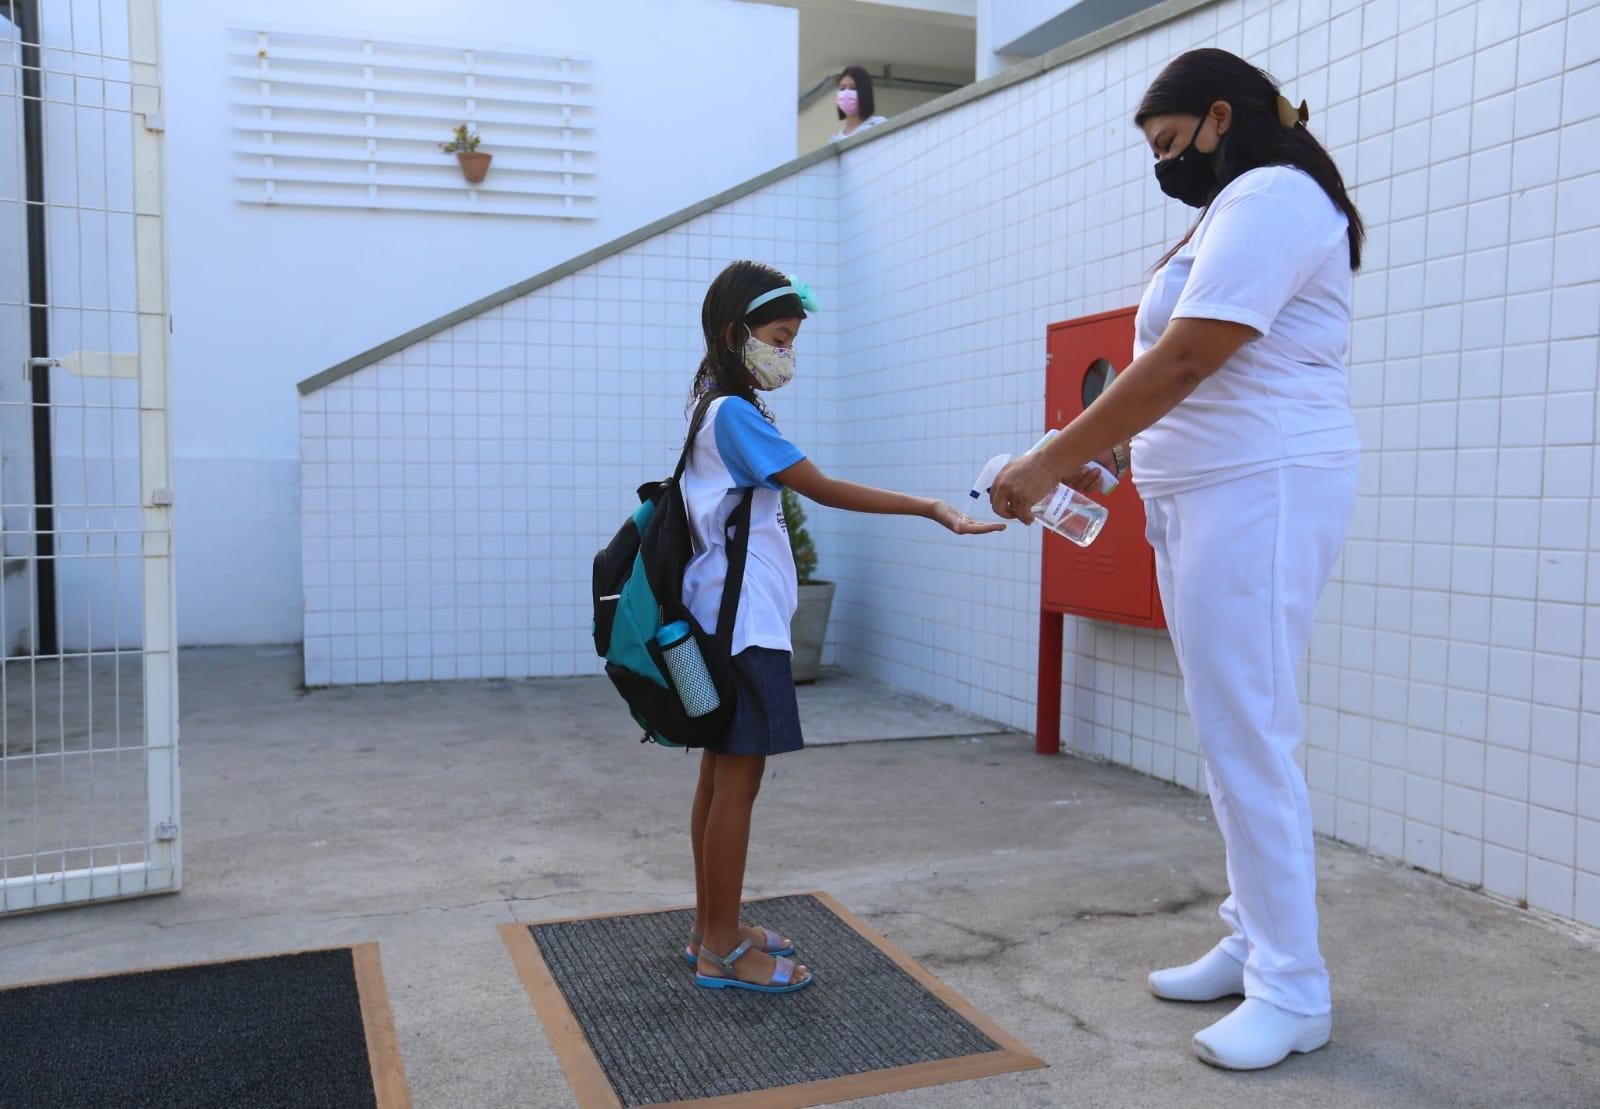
x=1088 y=479
x=1025 y=482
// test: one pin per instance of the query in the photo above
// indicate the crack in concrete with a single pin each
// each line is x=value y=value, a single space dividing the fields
x=1585 y=1037
x=511 y=903
x=169 y=925
x=424 y=909
x=1162 y=908
x=1077 y=1021
x=999 y=945
x=48 y=937
x=509 y=900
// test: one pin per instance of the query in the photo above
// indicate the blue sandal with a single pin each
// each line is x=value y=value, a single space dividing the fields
x=781 y=974
x=772 y=945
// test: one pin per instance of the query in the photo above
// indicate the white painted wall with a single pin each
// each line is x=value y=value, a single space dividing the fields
x=1000 y=22
x=264 y=298
x=1453 y=682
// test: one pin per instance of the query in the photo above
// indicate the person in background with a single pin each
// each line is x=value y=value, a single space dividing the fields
x=1245 y=452
x=856 y=103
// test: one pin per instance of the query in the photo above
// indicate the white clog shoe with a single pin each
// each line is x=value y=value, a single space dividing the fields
x=1258 y=1035
x=1213 y=976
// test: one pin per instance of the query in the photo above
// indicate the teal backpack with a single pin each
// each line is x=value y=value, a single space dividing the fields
x=638 y=590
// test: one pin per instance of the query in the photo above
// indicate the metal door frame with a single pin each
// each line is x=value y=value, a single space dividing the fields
x=161 y=869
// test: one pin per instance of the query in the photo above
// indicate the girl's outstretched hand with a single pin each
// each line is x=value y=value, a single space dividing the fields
x=962 y=524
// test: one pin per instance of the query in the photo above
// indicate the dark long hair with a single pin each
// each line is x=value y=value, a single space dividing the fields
x=722 y=370
x=863 y=80
x=1194 y=81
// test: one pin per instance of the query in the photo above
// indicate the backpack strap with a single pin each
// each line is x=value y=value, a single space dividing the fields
x=738 y=547
x=694 y=429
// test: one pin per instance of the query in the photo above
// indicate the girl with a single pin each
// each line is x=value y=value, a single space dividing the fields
x=855 y=102
x=1245 y=451
x=751 y=317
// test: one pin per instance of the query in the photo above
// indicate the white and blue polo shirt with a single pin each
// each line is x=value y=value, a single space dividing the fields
x=737 y=449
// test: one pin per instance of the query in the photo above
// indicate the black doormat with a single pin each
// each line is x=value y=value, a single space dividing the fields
x=307 y=1028
x=631 y=1027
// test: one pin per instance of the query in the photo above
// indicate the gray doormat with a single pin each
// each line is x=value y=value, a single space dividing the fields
x=631 y=1028
x=306 y=1028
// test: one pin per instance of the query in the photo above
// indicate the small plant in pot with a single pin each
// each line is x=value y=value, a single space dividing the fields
x=809 y=628
x=474 y=162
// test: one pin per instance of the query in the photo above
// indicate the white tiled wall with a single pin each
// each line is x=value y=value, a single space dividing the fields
x=455 y=493
x=1453 y=683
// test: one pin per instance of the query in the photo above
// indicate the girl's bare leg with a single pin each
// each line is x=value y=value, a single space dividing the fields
x=697 y=832
x=735 y=782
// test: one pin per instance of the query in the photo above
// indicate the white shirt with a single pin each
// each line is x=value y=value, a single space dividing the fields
x=737 y=449
x=839 y=136
x=1271 y=253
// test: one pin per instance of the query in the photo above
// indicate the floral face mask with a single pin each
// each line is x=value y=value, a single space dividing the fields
x=772 y=367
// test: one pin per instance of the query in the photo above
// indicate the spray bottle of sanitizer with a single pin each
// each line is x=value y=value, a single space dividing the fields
x=1066 y=511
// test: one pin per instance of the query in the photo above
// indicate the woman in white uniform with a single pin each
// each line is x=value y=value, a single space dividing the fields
x=1244 y=449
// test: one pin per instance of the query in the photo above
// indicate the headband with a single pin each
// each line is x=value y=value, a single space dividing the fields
x=795 y=287
x=1289 y=115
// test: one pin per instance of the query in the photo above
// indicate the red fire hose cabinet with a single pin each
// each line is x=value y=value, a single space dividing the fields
x=1114 y=578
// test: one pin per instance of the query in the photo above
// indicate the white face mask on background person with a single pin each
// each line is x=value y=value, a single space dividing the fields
x=772 y=367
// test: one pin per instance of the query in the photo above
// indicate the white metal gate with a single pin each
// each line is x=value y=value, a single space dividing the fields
x=88 y=681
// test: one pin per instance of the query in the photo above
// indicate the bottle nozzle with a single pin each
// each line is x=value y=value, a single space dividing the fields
x=986 y=476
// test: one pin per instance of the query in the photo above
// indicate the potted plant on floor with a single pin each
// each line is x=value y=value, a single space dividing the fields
x=809 y=628
x=474 y=162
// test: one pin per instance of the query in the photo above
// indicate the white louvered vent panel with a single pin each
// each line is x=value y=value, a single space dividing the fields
x=327 y=120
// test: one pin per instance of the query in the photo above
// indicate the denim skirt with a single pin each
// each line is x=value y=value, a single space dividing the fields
x=766 y=720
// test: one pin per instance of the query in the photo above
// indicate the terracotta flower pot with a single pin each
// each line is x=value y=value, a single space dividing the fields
x=474 y=164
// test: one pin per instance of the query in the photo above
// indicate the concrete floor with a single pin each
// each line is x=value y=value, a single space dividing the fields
x=1043 y=890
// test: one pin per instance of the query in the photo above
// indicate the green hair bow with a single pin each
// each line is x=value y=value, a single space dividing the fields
x=796 y=288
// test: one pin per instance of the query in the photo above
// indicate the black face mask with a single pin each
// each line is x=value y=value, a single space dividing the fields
x=1192 y=176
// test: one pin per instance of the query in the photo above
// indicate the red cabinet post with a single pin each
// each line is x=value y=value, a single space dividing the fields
x=1114 y=578
x=1047 y=724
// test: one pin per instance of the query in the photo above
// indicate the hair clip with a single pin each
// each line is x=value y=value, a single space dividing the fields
x=1289 y=115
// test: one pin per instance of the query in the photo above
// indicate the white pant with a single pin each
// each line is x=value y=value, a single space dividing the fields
x=1240 y=565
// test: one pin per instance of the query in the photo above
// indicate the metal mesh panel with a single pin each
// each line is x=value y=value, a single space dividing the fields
x=88 y=798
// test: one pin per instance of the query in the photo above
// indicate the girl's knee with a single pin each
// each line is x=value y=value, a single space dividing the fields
x=740 y=775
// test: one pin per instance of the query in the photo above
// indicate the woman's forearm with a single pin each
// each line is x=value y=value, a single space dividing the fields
x=1152 y=385
x=1140 y=396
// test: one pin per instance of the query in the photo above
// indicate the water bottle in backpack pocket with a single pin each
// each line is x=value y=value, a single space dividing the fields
x=686 y=666
x=676 y=677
